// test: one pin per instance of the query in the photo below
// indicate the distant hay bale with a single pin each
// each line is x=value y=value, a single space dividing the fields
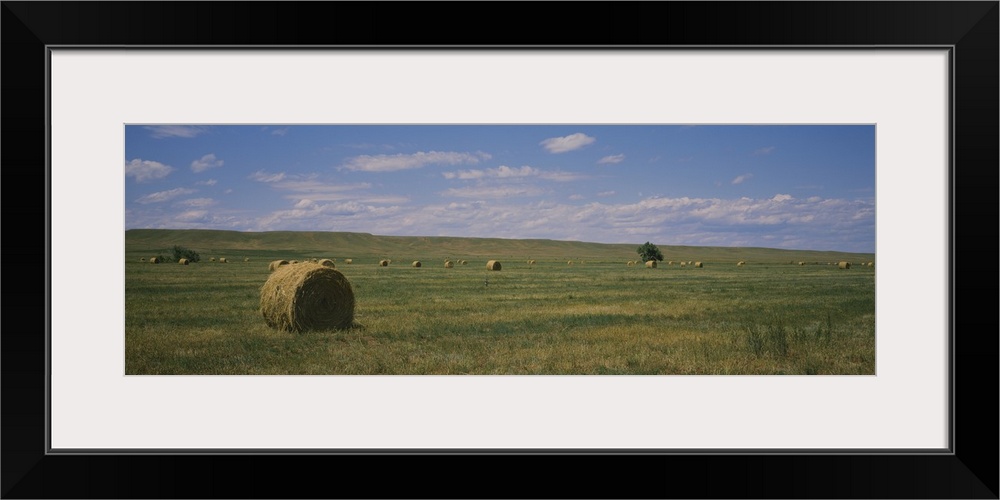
x=293 y=262
x=464 y=262
x=314 y=259
x=307 y=297
x=212 y=259
x=871 y=264
x=651 y=264
x=416 y=263
x=142 y=259
x=630 y=263
x=348 y=261
x=449 y=264
x=683 y=264
x=183 y=262
x=246 y=259
x=493 y=265
x=698 y=264
x=569 y=263
x=670 y=263
x=222 y=260
x=275 y=264
x=802 y=263
x=154 y=260
x=383 y=263
x=741 y=263
x=844 y=265
x=327 y=263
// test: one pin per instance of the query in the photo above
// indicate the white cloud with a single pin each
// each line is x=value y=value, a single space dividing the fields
x=763 y=151
x=611 y=159
x=164 y=131
x=197 y=202
x=279 y=131
x=505 y=172
x=604 y=194
x=210 y=182
x=739 y=179
x=206 y=162
x=146 y=170
x=494 y=192
x=162 y=196
x=567 y=143
x=576 y=196
x=262 y=176
x=781 y=197
x=391 y=163
x=192 y=216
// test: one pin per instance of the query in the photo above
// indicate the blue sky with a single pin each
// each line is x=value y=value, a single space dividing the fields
x=808 y=187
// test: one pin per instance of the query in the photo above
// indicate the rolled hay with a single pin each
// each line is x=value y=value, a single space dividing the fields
x=802 y=263
x=683 y=264
x=844 y=265
x=670 y=263
x=275 y=264
x=871 y=264
x=142 y=259
x=246 y=259
x=741 y=263
x=154 y=260
x=569 y=263
x=293 y=262
x=348 y=261
x=222 y=260
x=328 y=263
x=493 y=265
x=212 y=259
x=383 y=263
x=183 y=262
x=650 y=264
x=630 y=263
x=464 y=262
x=416 y=263
x=307 y=297
x=698 y=264
x=449 y=264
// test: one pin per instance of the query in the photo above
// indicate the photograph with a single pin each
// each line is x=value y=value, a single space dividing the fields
x=677 y=250
x=500 y=249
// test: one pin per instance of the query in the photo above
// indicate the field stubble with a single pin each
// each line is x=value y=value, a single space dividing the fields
x=601 y=318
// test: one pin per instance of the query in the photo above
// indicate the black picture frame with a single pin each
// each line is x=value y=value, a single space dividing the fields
x=969 y=28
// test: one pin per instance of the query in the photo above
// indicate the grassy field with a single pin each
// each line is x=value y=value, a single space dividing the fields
x=597 y=316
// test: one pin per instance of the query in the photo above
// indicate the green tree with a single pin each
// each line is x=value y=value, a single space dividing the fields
x=648 y=252
x=185 y=253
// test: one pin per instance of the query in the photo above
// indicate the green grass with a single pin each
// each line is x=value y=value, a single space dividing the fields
x=600 y=317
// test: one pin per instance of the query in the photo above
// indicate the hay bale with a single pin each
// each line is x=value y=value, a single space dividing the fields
x=844 y=265
x=670 y=263
x=154 y=260
x=275 y=264
x=212 y=259
x=327 y=263
x=630 y=263
x=493 y=265
x=740 y=263
x=464 y=262
x=142 y=259
x=246 y=259
x=698 y=264
x=416 y=263
x=449 y=264
x=183 y=262
x=570 y=263
x=802 y=263
x=307 y=297
x=222 y=260
x=871 y=264
x=651 y=264
x=293 y=262
x=348 y=261
x=383 y=263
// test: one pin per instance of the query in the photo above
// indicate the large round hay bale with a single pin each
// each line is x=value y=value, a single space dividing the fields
x=416 y=263
x=630 y=263
x=327 y=263
x=464 y=262
x=449 y=264
x=383 y=263
x=493 y=265
x=844 y=265
x=223 y=260
x=650 y=264
x=698 y=264
x=142 y=259
x=307 y=297
x=569 y=263
x=154 y=260
x=802 y=263
x=348 y=261
x=212 y=259
x=275 y=264
x=741 y=263
x=183 y=262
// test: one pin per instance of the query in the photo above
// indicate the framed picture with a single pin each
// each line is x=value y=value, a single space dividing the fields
x=919 y=77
